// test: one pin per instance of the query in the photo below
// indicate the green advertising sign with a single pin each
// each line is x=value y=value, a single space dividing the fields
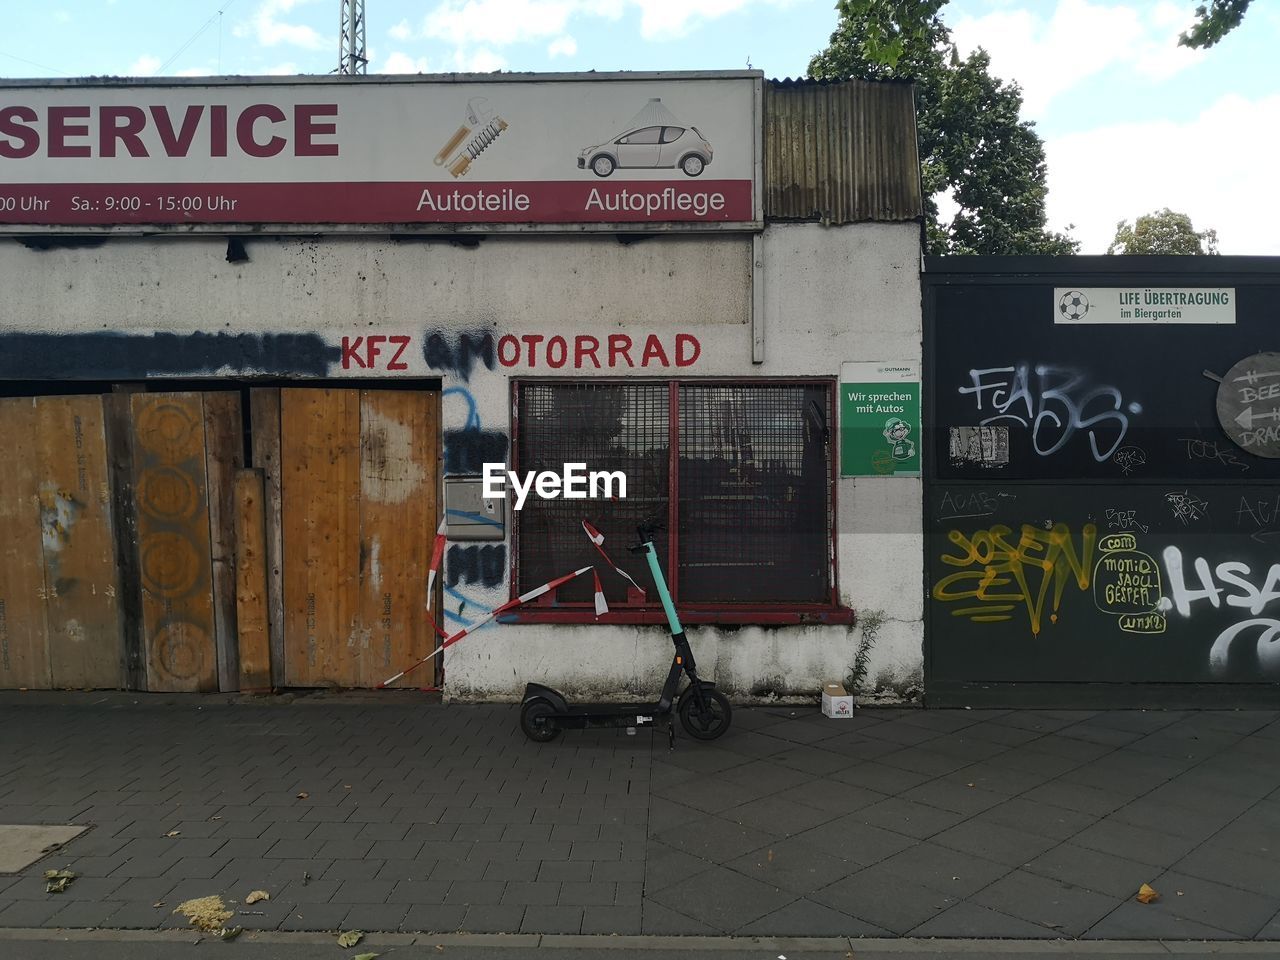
x=880 y=419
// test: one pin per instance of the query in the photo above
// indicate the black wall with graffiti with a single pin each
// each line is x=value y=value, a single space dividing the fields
x=1102 y=502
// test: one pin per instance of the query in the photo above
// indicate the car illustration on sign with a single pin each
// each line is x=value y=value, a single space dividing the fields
x=654 y=139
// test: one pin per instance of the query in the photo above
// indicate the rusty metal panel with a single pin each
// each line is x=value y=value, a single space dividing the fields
x=840 y=152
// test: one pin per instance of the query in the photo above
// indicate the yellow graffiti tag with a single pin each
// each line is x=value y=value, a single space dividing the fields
x=1000 y=573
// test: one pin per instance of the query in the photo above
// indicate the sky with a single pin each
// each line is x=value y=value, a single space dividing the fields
x=1132 y=123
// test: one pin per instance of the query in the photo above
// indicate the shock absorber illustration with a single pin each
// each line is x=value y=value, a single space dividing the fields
x=471 y=139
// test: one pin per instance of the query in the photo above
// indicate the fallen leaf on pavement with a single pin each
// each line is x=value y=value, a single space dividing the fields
x=158 y=904
x=1147 y=894
x=205 y=913
x=303 y=795
x=364 y=956
x=350 y=938
x=231 y=934
x=173 y=833
x=256 y=896
x=56 y=880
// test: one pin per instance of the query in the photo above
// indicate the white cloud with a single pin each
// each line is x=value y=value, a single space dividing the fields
x=193 y=72
x=269 y=30
x=144 y=66
x=564 y=46
x=1202 y=167
x=287 y=69
x=480 y=60
x=401 y=31
x=403 y=63
x=1049 y=54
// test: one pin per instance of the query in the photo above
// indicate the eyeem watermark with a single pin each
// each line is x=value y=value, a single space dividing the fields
x=573 y=483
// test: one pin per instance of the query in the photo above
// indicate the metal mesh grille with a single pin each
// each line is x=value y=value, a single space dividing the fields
x=608 y=426
x=754 y=493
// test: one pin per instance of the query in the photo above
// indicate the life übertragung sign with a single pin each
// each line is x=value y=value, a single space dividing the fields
x=572 y=149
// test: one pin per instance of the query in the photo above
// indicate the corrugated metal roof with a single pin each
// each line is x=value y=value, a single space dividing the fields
x=840 y=152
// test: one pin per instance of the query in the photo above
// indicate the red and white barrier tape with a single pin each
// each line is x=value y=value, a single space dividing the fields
x=437 y=553
x=597 y=538
x=497 y=611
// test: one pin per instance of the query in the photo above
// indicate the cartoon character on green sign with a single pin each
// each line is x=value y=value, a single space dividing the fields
x=895 y=431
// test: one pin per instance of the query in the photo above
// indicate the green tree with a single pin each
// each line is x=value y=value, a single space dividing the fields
x=1214 y=20
x=973 y=145
x=1163 y=232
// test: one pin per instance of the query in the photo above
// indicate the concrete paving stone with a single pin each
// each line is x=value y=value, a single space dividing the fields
x=610 y=871
x=775 y=813
x=879 y=777
x=432 y=832
x=264 y=915
x=721 y=898
x=346 y=849
x=584 y=894
x=396 y=849
x=511 y=870
x=375 y=917
x=970 y=920
x=883 y=899
x=596 y=850
x=296 y=849
x=766 y=775
x=994 y=842
x=947 y=871
x=353 y=869
x=145 y=867
x=628 y=892
x=311 y=891
x=89 y=866
x=475 y=892
x=364 y=891
x=534 y=893
x=494 y=850
x=406 y=870
x=953 y=796
x=287 y=830
x=1010 y=735
x=944 y=721
x=527 y=832
x=560 y=814
x=793 y=866
x=802 y=732
x=904 y=734
x=1094 y=870
x=544 y=851
x=1259 y=874
x=228 y=849
x=665 y=815
x=1034 y=760
x=565 y=870
x=1038 y=819
x=1072 y=749
x=433 y=918
x=135 y=916
x=445 y=849
x=29 y=913
x=493 y=918
x=812 y=760
x=804 y=918
x=1101 y=736
x=84 y=914
x=925 y=761
x=552 y=919
x=904 y=816
x=456 y=814
x=316 y=916
x=1126 y=840
x=1049 y=903
x=612 y=920
x=458 y=869
x=140 y=889
x=1271 y=931
x=1154 y=812
x=1106 y=776
x=714 y=839
x=383 y=831
x=1135 y=721
x=84 y=888
x=1225 y=907
x=419 y=891
x=659 y=920
x=1152 y=921
x=242 y=829
x=1075 y=796
x=848 y=838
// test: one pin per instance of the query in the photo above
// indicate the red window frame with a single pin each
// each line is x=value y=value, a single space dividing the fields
x=547 y=609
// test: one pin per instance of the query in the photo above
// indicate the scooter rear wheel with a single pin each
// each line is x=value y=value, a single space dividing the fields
x=537 y=721
x=714 y=724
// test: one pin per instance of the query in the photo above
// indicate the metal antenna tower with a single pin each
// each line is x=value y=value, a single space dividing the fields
x=351 y=51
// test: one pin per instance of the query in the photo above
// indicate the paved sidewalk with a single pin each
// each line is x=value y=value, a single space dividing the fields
x=420 y=817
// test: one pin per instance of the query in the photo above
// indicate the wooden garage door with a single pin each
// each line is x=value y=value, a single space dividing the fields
x=186 y=447
x=359 y=512
x=59 y=621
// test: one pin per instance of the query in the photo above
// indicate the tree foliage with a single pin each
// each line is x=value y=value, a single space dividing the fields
x=973 y=145
x=1214 y=20
x=1163 y=232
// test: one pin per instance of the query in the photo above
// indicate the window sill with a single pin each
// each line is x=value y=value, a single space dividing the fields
x=746 y=616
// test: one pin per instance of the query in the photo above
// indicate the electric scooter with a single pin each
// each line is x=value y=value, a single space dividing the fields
x=704 y=711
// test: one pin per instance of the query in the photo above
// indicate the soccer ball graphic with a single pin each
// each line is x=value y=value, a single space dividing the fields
x=1073 y=305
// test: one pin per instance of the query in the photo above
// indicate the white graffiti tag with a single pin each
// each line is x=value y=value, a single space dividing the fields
x=1059 y=402
x=1187 y=506
x=1238 y=590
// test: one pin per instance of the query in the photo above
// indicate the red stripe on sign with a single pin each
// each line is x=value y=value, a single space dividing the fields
x=551 y=201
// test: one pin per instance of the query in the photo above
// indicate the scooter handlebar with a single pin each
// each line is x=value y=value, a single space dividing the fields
x=645 y=532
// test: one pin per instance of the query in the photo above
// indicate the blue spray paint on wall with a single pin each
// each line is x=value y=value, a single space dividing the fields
x=485 y=565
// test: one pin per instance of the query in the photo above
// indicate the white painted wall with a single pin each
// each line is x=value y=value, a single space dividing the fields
x=830 y=295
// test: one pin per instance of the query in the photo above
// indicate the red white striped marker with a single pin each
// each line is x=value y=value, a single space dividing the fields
x=601 y=607
x=597 y=538
x=437 y=553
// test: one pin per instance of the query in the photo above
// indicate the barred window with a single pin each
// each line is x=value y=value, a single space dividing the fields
x=740 y=473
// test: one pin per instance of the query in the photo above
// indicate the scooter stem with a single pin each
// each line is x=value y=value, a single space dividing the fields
x=651 y=554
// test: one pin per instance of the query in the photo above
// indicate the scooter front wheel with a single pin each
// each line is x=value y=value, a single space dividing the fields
x=705 y=726
x=537 y=720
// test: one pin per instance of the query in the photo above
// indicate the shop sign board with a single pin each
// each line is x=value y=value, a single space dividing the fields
x=880 y=419
x=611 y=151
